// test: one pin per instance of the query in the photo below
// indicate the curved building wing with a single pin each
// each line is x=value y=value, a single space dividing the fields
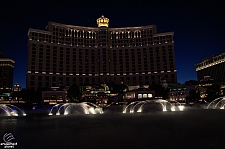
x=68 y=54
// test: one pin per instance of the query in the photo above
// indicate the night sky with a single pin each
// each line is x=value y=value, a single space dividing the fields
x=198 y=26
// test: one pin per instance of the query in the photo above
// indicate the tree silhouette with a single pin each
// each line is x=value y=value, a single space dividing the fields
x=212 y=92
x=193 y=96
x=74 y=93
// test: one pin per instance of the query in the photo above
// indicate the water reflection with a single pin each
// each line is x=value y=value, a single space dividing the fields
x=7 y=124
x=116 y=130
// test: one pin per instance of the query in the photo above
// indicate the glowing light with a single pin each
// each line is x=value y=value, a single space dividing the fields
x=173 y=108
x=139 y=110
x=103 y=21
x=92 y=110
x=181 y=108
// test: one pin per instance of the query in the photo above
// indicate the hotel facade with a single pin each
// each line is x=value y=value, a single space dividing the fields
x=67 y=54
x=6 y=74
x=212 y=67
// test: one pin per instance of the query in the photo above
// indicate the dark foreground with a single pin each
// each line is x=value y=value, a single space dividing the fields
x=193 y=128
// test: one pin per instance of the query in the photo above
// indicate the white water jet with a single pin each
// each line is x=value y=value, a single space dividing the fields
x=216 y=102
x=12 y=110
x=67 y=108
x=125 y=109
x=131 y=107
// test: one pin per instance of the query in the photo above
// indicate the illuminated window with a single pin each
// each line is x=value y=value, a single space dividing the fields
x=149 y=95
x=139 y=96
x=144 y=95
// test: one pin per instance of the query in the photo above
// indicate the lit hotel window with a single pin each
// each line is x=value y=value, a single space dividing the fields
x=139 y=95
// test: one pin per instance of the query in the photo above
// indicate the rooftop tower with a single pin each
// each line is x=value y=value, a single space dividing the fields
x=103 y=21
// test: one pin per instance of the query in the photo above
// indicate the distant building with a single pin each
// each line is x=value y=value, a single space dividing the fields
x=139 y=94
x=69 y=54
x=180 y=93
x=6 y=74
x=213 y=67
x=16 y=88
x=54 y=96
x=100 y=96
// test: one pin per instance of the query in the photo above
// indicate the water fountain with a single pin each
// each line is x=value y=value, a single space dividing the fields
x=166 y=105
x=11 y=110
x=68 y=108
x=217 y=103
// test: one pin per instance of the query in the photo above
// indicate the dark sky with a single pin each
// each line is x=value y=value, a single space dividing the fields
x=198 y=26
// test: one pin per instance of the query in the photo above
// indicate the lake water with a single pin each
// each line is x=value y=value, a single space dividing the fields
x=192 y=128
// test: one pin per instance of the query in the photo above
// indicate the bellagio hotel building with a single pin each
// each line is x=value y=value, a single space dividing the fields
x=67 y=54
